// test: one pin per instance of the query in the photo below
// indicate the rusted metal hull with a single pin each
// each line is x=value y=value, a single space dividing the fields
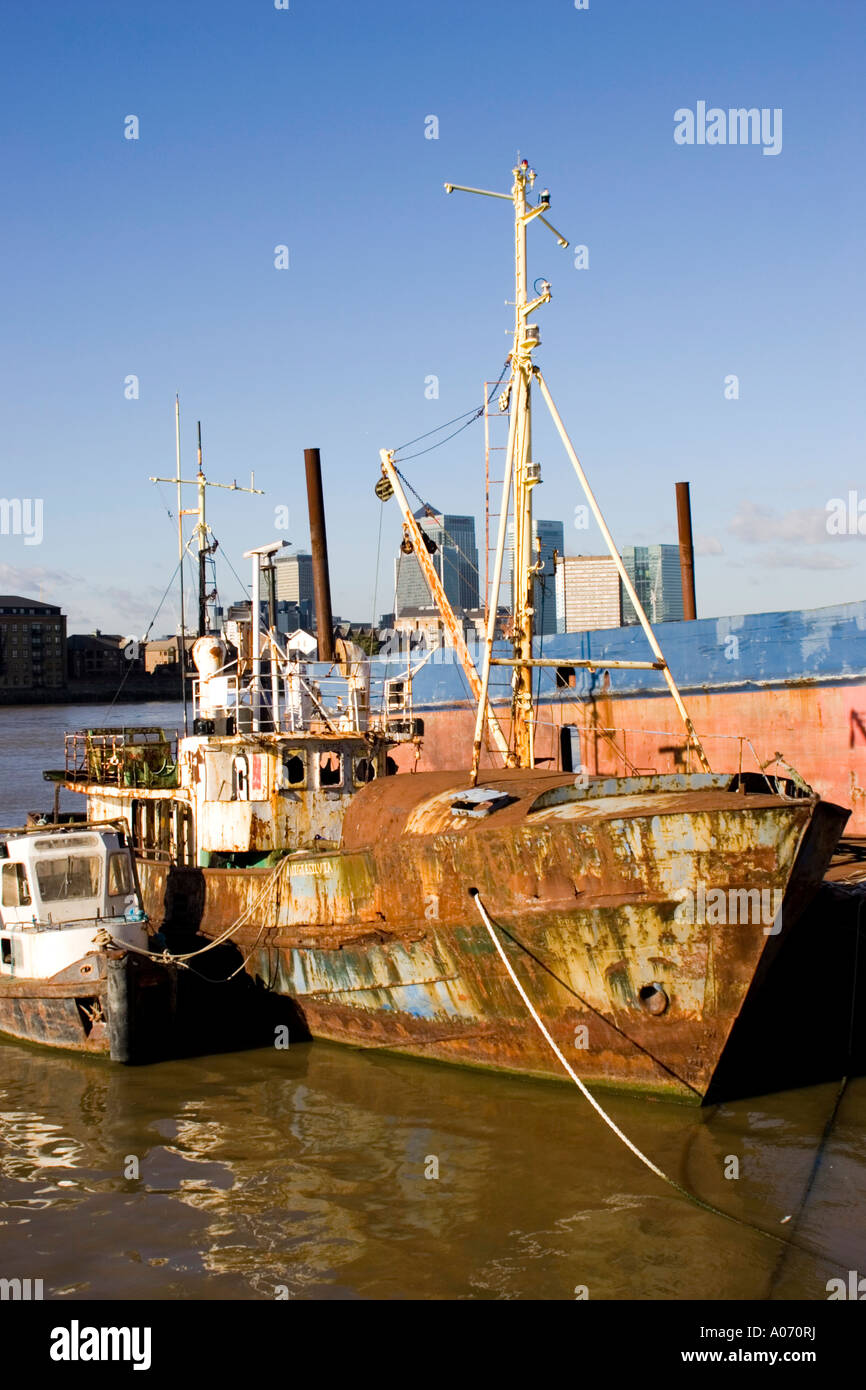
x=109 y=1002
x=598 y=905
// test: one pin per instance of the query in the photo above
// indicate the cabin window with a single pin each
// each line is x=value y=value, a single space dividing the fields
x=330 y=769
x=183 y=835
x=294 y=769
x=16 y=889
x=119 y=876
x=73 y=876
x=396 y=697
x=6 y=943
x=240 y=779
x=569 y=748
x=365 y=771
x=566 y=677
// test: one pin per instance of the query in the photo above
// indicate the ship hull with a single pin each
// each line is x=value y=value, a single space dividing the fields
x=113 y=1004
x=601 y=907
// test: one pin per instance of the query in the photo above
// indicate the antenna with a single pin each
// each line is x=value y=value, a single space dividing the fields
x=202 y=532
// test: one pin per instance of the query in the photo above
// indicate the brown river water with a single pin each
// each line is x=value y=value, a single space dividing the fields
x=324 y=1172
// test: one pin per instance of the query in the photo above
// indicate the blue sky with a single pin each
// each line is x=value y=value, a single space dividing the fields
x=306 y=127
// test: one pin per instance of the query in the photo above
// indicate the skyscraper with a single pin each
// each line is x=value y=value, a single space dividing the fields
x=654 y=570
x=455 y=559
x=551 y=535
x=587 y=593
x=294 y=577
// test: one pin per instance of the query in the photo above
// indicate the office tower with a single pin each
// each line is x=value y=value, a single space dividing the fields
x=550 y=534
x=294 y=577
x=587 y=593
x=455 y=559
x=654 y=570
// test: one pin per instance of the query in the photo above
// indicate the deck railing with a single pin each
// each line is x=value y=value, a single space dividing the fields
x=138 y=756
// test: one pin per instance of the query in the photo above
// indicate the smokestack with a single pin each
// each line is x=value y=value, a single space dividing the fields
x=687 y=551
x=319 y=547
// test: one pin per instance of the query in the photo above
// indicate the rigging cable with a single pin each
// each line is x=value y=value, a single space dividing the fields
x=143 y=640
x=224 y=556
x=475 y=414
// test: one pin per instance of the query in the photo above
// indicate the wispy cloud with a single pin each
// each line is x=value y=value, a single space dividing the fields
x=89 y=605
x=796 y=539
x=797 y=559
x=756 y=525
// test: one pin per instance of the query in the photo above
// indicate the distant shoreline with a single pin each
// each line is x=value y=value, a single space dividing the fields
x=81 y=693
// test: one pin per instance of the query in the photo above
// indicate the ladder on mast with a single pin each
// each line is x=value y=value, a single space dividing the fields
x=491 y=413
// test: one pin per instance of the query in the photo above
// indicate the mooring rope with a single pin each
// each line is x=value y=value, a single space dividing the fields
x=599 y=1109
x=269 y=888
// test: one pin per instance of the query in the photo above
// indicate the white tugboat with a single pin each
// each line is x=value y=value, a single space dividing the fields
x=75 y=968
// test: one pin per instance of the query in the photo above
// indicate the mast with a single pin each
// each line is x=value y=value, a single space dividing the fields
x=203 y=548
x=180 y=550
x=523 y=474
x=520 y=472
x=202 y=531
x=523 y=572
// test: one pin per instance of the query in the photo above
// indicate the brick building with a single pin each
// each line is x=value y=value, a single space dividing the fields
x=95 y=655
x=32 y=644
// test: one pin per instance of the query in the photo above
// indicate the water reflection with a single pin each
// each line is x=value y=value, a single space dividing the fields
x=306 y=1169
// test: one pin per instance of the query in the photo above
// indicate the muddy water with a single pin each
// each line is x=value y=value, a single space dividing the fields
x=325 y=1172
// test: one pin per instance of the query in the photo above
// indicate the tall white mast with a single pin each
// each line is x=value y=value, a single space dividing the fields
x=522 y=474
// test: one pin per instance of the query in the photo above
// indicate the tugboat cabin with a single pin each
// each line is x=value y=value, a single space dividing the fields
x=56 y=889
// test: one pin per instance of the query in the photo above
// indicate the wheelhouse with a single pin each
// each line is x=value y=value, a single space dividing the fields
x=54 y=879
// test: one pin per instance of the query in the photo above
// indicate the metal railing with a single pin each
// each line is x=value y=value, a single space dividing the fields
x=333 y=701
x=144 y=756
x=610 y=734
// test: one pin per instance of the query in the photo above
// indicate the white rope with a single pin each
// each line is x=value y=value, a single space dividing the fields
x=572 y=1073
x=647 y=1162
x=683 y=1191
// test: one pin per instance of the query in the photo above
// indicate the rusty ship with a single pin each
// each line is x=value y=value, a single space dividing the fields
x=658 y=921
